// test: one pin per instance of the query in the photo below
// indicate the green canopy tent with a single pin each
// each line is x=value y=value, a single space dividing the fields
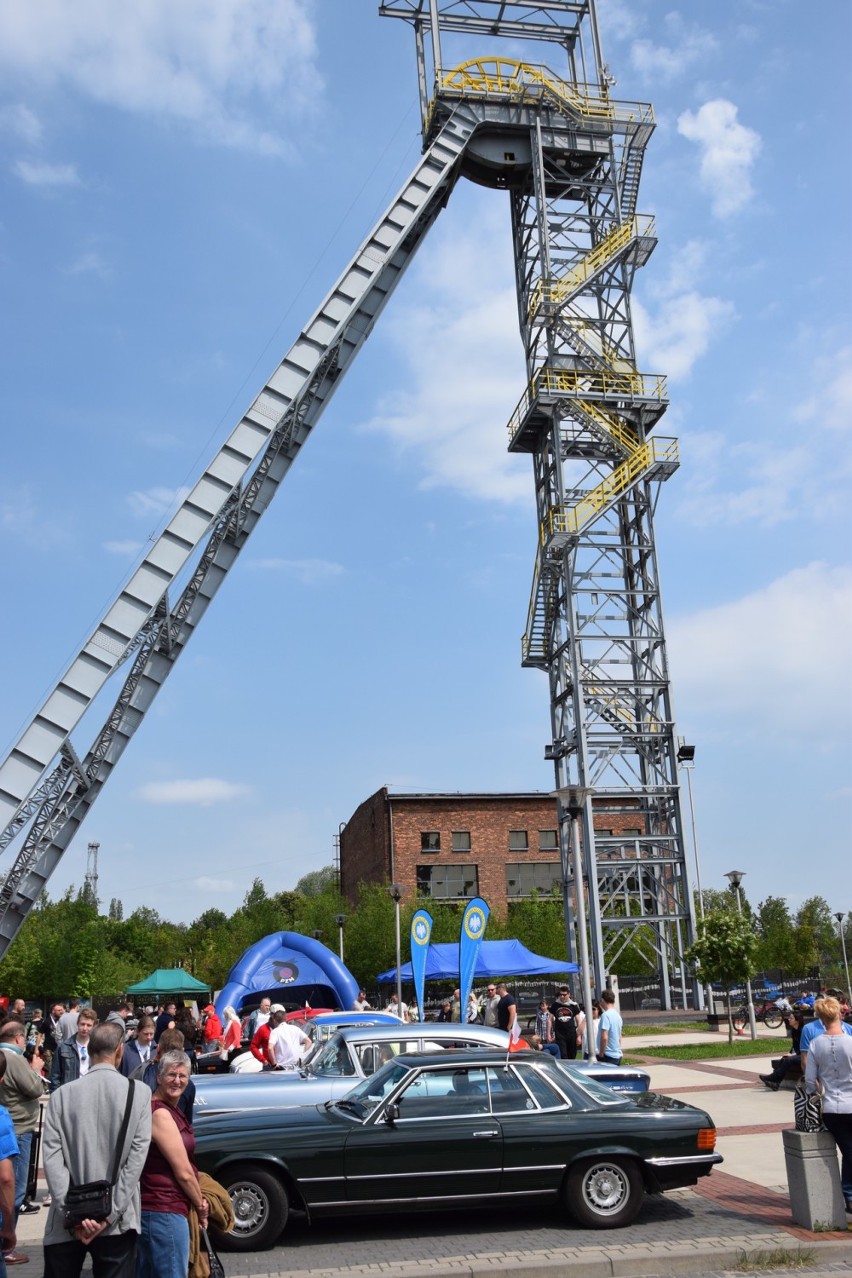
x=169 y=980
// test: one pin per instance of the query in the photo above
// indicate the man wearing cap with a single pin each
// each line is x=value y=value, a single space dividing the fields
x=211 y=1029
x=286 y=1042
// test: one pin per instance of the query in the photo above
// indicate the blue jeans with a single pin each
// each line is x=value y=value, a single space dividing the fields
x=163 y=1246
x=22 y=1172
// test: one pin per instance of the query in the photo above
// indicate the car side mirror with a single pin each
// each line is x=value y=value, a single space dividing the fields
x=392 y=1112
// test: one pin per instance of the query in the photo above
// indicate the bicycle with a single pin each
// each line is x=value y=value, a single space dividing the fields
x=767 y=1012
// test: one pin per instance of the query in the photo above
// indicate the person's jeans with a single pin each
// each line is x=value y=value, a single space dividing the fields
x=163 y=1246
x=22 y=1170
x=113 y=1256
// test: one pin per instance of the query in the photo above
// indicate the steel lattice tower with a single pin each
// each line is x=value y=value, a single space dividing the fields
x=571 y=158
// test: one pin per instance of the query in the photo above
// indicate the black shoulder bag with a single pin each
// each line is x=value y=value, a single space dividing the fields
x=93 y=1201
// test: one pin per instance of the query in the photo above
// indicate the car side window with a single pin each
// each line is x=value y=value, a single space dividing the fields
x=546 y=1095
x=371 y=1056
x=508 y=1094
x=445 y=1093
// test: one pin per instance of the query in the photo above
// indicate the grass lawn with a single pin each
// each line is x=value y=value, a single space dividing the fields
x=711 y=1051
x=672 y=1027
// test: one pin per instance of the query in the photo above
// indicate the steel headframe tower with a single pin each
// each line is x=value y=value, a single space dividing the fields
x=570 y=157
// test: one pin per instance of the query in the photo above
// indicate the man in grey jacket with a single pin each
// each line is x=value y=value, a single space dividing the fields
x=80 y=1137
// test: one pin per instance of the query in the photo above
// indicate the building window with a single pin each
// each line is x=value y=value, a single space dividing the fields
x=461 y=840
x=430 y=841
x=448 y=882
x=548 y=840
x=630 y=834
x=533 y=876
x=518 y=841
x=601 y=833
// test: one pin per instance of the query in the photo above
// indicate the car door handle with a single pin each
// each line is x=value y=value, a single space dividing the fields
x=485 y=1134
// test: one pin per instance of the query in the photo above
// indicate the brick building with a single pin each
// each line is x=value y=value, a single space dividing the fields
x=451 y=847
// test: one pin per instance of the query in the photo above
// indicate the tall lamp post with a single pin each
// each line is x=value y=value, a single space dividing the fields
x=686 y=760
x=340 y=919
x=395 y=894
x=573 y=799
x=840 y=916
x=735 y=878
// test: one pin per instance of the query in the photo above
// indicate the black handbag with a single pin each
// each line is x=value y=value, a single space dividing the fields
x=93 y=1200
x=217 y=1269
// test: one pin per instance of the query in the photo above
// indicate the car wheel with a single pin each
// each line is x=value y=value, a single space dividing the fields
x=604 y=1193
x=260 y=1208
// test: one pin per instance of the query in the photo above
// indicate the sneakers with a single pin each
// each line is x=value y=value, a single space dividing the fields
x=15 y=1258
x=769 y=1082
x=26 y=1207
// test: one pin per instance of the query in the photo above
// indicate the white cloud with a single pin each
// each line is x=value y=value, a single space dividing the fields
x=218 y=67
x=728 y=152
x=676 y=324
x=199 y=793
x=771 y=661
x=830 y=403
x=205 y=884
x=90 y=263
x=667 y=61
x=39 y=173
x=155 y=501
x=460 y=356
x=309 y=572
x=21 y=122
x=127 y=549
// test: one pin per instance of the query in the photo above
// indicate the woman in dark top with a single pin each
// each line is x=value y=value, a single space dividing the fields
x=779 y=1072
x=169 y=1181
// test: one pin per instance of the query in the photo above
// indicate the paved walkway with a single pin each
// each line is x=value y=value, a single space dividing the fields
x=741 y=1209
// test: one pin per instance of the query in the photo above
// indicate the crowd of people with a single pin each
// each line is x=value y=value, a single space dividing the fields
x=114 y=1101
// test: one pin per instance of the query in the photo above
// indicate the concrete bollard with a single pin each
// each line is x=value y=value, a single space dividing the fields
x=813 y=1178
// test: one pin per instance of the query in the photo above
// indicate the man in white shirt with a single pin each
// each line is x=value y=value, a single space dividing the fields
x=397 y=1008
x=287 y=1044
x=361 y=1004
x=259 y=1017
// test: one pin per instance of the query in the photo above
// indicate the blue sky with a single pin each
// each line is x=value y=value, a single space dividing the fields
x=179 y=190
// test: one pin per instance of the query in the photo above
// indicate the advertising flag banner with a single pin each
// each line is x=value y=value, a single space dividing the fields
x=473 y=925
x=421 y=932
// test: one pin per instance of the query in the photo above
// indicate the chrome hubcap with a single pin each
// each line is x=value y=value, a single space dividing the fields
x=606 y=1188
x=250 y=1208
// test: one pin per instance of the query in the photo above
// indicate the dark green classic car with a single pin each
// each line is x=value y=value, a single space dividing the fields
x=428 y=1132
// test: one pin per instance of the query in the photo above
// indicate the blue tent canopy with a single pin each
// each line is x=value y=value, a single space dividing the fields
x=496 y=958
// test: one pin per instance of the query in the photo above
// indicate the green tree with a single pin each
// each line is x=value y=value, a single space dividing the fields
x=316 y=882
x=724 y=953
x=814 y=935
x=775 y=933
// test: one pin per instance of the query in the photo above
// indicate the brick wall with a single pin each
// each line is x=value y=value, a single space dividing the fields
x=367 y=854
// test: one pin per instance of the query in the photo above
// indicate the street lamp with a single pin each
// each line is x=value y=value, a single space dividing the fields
x=686 y=760
x=735 y=878
x=840 y=916
x=395 y=894
x=340 y=919
x=573 y=799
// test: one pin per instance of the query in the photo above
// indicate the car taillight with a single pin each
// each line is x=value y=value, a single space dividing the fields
x=707 y=1138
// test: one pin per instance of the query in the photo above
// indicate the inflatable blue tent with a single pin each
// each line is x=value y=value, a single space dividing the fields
x=289 y=969
x=496 y=958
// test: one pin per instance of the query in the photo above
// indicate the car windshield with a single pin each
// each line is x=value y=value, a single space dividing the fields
x=332 y=1059
x=372 y=1091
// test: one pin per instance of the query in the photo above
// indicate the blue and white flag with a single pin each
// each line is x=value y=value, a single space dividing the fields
x=421 y=932
x=473 y=925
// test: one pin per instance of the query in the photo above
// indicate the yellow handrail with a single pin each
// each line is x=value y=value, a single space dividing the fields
x=639 y=385
x=557 y=291
x=512 y=79
x=570 y=519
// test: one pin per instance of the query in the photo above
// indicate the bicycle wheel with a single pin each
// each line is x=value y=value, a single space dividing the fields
x=773 y=1019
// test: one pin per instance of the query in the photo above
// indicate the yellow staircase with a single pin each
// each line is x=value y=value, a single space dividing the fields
x=655 y=459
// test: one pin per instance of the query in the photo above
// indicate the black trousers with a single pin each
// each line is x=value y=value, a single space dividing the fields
x=840 y=1126
x=113 y=1256
x=567 y=1046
